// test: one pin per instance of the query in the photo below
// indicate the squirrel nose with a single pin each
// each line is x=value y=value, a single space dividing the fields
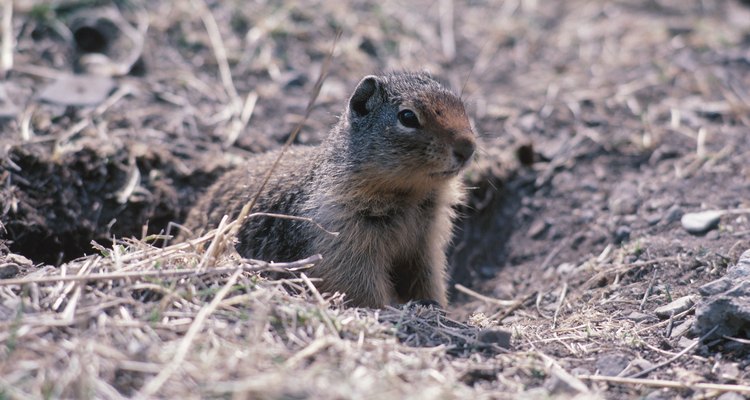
x=463 y=150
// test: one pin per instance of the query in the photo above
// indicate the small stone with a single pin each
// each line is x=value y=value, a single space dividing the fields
x=701 y=222
x=612 y=364
x=638 y=316
x=742 y=269
x=685 y=342
x=729 y=371
x=624 y=199
x=622 y=234
x=499 y=337
x=641 y=365
x=653 y=219
x=8 y=110
x=673 y=214
x=8 y=271
x=715 y=287
x=675 y=307
x=537 y=229
x=19 y=259
x=562 y=383
x=682 y=329
x=726 y=313
x=659 y=394
x=566 y=268
x=78 y=90
x=731 y=396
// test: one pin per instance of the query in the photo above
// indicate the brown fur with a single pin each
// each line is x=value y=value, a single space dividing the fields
x=388 y=189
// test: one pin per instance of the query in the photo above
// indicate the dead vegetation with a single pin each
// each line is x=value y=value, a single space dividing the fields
x=625 y=116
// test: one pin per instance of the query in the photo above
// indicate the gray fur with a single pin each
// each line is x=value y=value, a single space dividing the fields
x=387 y=189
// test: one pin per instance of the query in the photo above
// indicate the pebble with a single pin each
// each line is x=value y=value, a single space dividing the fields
x=612 y=364
x=622 y=234
x=685 y=342
x=682 y=329
x=701 y=222
x=675 y=307
x=673 y=214
x=624 y=199
x=9 y=271
x=78 y=90
x=537 y=229
x=726 y=313
x=731 y=396
x=500 y=337
x=562 y=384
x=8 y=110
x=637 y=316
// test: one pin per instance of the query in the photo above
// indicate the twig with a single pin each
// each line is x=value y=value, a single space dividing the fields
x=447 y=37
x=662 y=323
x=499 y=316
x=648 y=291
x=563 y=292
x=220 y=51
x=553 y=253
x=668 y=384
x=503 y=303
x=622 y=268
x=322 y=302
x=217 y=245
x=238 y=124
x=160 y=274
x=676 y=356
x=6 y=59
x=538 y=303
x=295 y=218
x=156 y=383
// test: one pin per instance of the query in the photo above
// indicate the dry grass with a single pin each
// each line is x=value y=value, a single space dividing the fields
x=144 y=321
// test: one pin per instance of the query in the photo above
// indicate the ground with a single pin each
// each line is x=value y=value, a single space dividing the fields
x=601 y=124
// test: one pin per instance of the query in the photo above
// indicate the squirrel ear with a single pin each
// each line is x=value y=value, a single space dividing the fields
x=366 y=96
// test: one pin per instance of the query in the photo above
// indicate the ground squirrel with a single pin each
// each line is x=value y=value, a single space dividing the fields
x=386 y=178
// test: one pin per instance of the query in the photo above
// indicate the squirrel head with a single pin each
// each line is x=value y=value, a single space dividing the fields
x=405 y=130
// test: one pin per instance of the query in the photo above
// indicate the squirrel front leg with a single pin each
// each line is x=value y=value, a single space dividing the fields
x=421 y=277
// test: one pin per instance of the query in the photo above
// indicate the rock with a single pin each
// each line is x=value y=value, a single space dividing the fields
x=638 y=316
x=652 y=220
x=499 y=337
x=561 y=382
x=8 y=271
x=675 y=307
x=78 y=90
x=682 y=329
x=8 y=110
x=731 y=396
x=701 y=222
x=726 y=302
x=715 y=287
x=537 y=229
x=684 y=342
x=660 y=394
x=622 y=234
x=612 y=364
x=728 y=312
x=673 y=214
x=734 y=274
x=624 y=199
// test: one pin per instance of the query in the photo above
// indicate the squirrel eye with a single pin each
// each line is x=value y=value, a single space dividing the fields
x=408 y=118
